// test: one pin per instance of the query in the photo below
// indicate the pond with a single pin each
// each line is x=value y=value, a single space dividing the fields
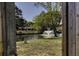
x=28 y=37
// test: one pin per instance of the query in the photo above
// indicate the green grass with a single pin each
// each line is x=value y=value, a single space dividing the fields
x=41 y=47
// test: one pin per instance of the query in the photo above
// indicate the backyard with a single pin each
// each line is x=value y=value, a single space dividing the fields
x=40 y=47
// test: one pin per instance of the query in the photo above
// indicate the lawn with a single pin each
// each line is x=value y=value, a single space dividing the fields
x=40 y=47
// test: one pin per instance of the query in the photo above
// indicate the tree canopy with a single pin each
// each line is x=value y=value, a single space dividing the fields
x=51 y=19
x=20 y=21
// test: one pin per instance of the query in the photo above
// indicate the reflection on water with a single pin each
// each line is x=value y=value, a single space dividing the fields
x=28 y=37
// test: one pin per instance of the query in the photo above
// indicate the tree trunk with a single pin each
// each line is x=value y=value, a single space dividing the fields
x=55 y=33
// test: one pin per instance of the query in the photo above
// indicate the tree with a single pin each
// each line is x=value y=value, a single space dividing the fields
x=45 y=21
x=49 y=6
x=29 y=24
x=51 y=18
x=46 y=5
x=38 y=22
x=20 y=22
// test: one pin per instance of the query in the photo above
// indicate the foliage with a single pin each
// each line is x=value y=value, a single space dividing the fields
x=29 y=23
x=49 y=6
x=52 y=17
x=47 y=20
x=20 y=22
x=46 y=5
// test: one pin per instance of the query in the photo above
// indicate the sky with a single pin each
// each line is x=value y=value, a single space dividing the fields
x=29 y=10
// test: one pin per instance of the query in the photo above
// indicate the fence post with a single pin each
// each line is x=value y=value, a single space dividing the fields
x=77 y=28
x=69 y=28
x=8 y=27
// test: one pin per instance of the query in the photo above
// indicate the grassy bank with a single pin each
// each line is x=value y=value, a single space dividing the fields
x=40 y=47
